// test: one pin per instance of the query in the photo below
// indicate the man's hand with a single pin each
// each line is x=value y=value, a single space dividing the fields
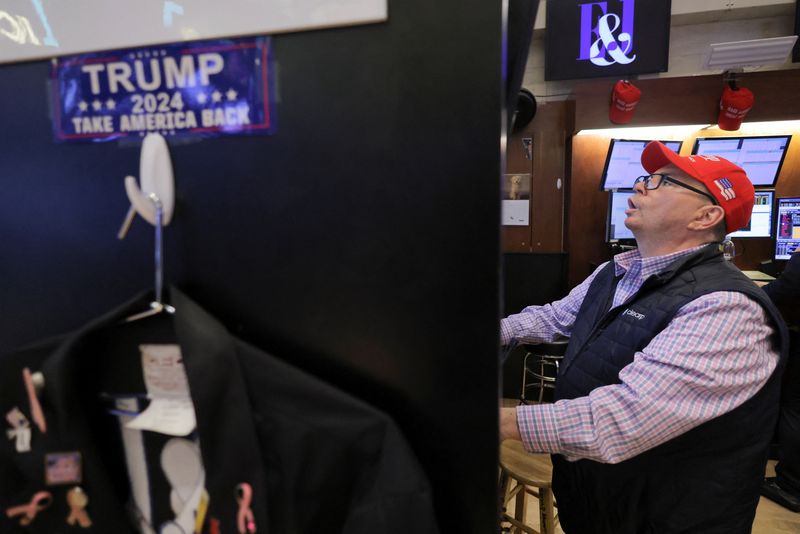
x=508 y=424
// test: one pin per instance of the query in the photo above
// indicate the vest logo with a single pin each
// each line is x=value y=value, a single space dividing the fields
x=599 y=44
x=725 y=188
x=636 y=315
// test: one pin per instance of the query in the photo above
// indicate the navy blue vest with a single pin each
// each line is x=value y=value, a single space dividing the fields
x=705 y=481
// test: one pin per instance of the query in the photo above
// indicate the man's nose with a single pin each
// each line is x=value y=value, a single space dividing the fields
x=640 y=188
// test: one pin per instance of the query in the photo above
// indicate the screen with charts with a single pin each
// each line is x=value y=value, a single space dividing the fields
x=760 y=157
x=615 y=223
x=623 y=163
x=787 y=224
x=760 y=224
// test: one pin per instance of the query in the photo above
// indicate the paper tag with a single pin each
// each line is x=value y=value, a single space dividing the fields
x=170 y=411
x=170 y=416
x=164 y=374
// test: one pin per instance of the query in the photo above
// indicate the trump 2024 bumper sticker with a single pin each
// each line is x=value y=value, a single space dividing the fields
x=201 y=88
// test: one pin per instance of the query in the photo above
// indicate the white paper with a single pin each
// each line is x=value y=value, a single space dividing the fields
x=164 y=374
x=515 y=212
x=170 y=416
x=171 y=411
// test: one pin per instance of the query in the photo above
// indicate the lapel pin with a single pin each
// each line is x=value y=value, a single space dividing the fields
x=36 y=409
x=39 y=502
x=20 y=429
x=77 y=501
x=63 y=468
x=244 y=518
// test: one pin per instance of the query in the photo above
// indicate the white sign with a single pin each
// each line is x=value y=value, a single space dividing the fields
x=36 y=29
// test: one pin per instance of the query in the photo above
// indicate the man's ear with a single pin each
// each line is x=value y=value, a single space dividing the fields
x=706 y=217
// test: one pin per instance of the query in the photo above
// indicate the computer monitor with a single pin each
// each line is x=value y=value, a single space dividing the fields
x=615 y=222
x=623 y=163
x=761 y=157
x=760 y=224
x=787 y=227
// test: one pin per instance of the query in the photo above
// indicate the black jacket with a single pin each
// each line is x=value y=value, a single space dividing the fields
x=704 y=481
x=318 y=459
x=785 y=290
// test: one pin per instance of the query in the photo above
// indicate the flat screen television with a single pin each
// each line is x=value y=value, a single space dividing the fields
x=623 y=162
x=615 y=221
x=761 y=157
x=787 y=227
x=760 y=224
x=612 y=38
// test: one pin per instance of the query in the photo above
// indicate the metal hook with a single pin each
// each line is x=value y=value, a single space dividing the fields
x=159 y=248
x=158 y=256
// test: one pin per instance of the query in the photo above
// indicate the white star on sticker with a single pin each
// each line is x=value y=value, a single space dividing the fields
x=231 y=94
x=201 y=98
x=110 y=104
x=97 y=105
x=83 y=106
x=216 y=96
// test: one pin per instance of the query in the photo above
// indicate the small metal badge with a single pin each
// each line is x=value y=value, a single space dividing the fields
x=63 y=468
x=77 y=501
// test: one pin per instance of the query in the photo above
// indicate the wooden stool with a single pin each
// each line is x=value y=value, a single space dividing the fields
x=533 y=474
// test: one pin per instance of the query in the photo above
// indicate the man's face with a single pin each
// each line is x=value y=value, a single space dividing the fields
x=667 y=210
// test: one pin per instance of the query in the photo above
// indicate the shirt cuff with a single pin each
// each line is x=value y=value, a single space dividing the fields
x=537 y=426
x=506 y=334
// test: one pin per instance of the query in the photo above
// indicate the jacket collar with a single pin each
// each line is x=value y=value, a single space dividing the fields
x=708 y=253
x=225 y=421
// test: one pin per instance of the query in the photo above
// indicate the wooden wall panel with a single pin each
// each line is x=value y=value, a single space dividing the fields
x=587 y=208
x=549 y=131
x=690 y=100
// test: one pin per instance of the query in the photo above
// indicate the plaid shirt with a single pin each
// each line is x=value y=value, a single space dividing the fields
x=714 y=355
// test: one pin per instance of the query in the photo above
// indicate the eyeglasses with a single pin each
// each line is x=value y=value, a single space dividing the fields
x=654 y=181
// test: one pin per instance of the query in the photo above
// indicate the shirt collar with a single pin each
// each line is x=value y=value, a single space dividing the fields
x=650 y=265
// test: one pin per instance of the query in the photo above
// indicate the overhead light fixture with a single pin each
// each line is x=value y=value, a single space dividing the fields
x=666 y=132
x=681 y=131
x=754 y=53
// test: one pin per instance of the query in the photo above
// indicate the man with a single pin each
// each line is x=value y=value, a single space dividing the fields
x=784 y=488
x=667 y=396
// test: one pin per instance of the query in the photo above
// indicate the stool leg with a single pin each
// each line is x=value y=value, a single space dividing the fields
x=521 y=507
x=524 y=378
x=546 y=511
x=541 y=380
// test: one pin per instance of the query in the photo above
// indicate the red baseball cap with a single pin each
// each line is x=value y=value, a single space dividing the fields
x=733 y=106
x=726 y=181
x=624 y=98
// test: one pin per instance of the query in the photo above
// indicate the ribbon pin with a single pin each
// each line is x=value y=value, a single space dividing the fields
x=36 y=408
x=77 y=501
x=20 y=429
x=244 y=518
x=39 y=502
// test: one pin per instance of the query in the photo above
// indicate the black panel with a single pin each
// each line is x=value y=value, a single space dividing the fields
x=528 y=279
x=521 y=18
x=360 y=242
x=532 y=279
